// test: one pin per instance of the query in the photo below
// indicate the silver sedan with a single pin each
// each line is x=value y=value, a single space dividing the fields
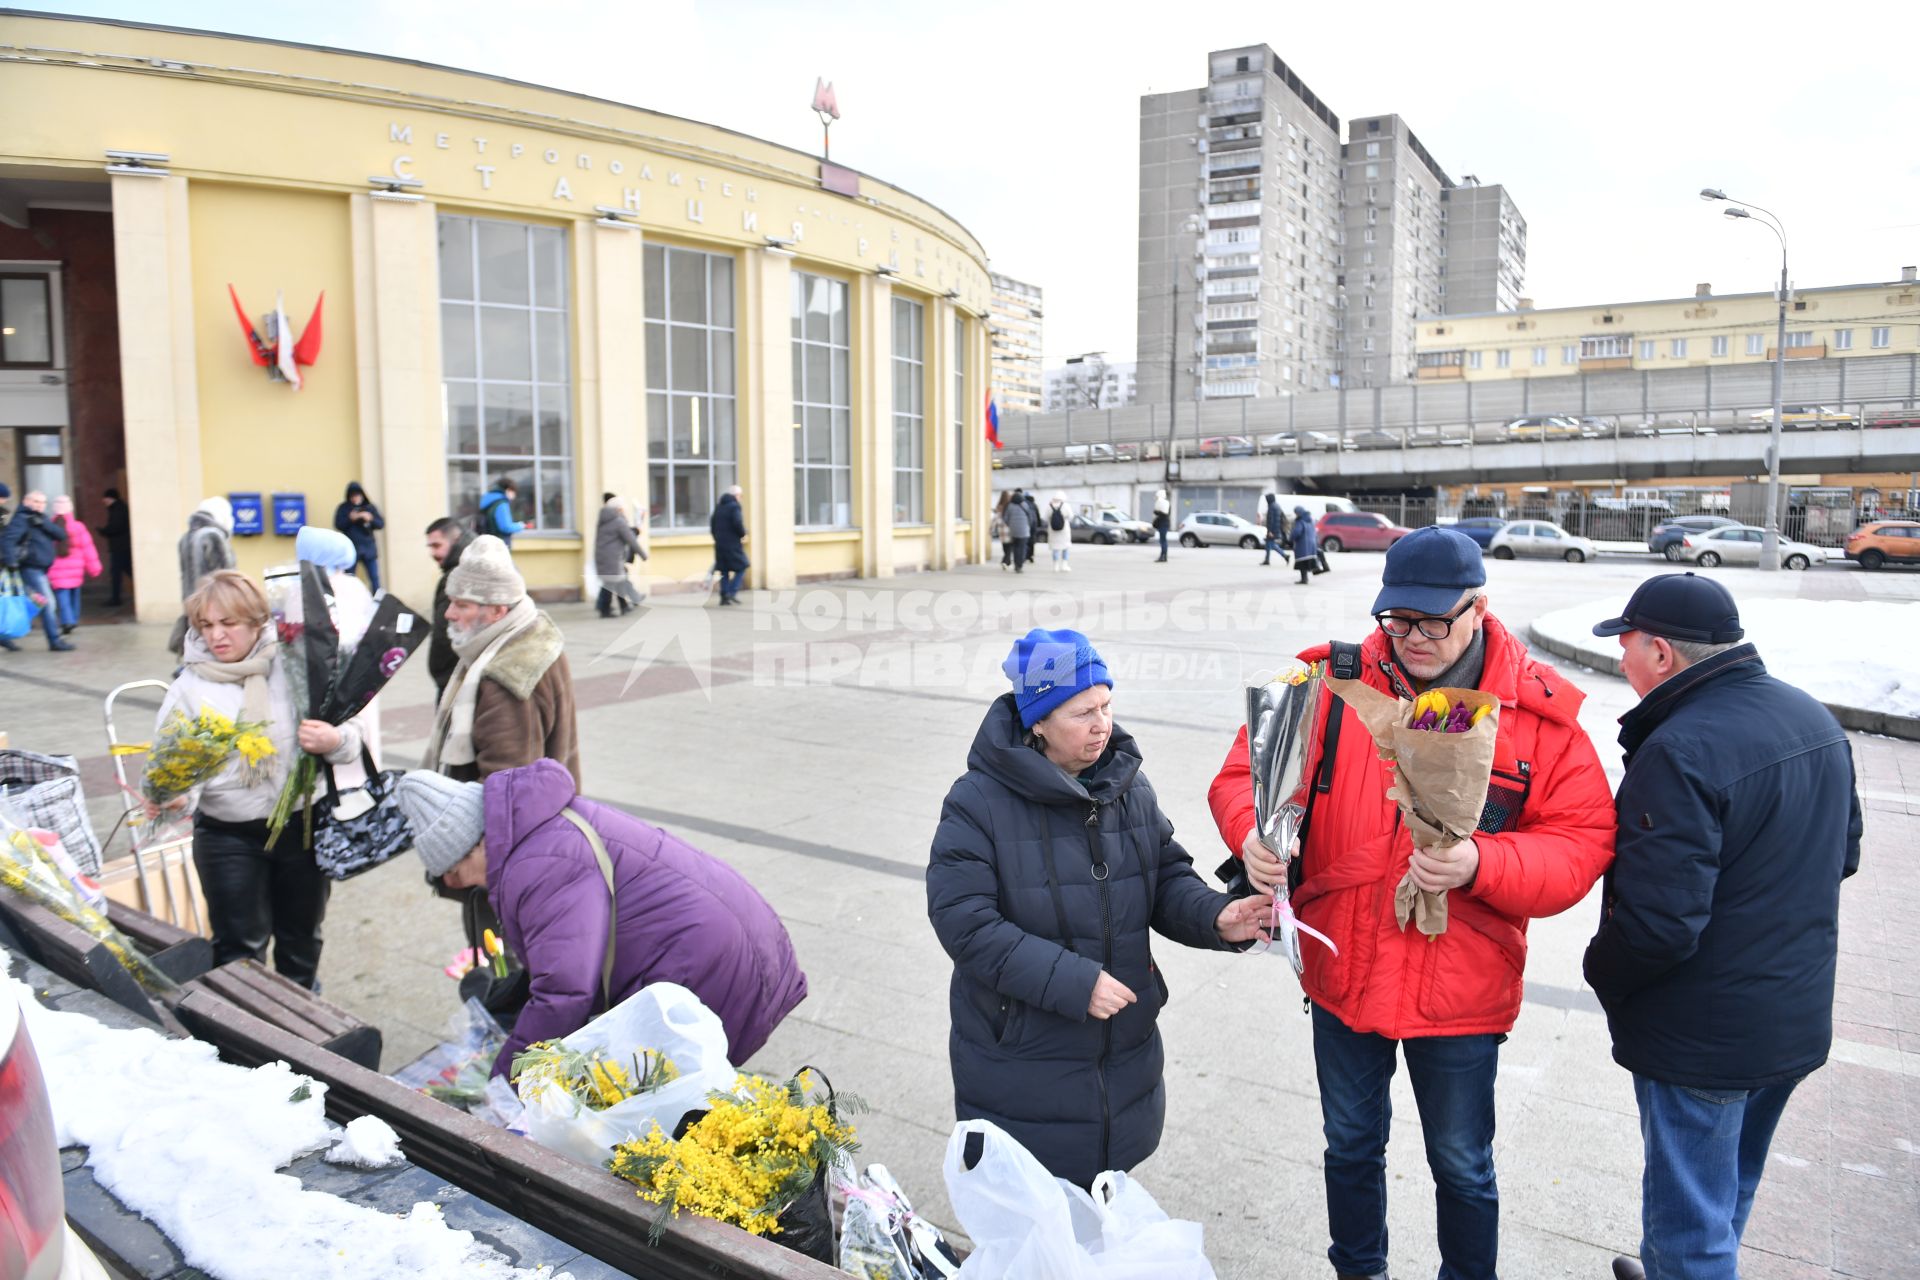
x=1220 y=529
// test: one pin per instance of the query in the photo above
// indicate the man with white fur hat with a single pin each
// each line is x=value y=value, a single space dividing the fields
x=509 y=702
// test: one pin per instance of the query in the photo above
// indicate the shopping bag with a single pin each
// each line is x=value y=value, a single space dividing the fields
x=17 y=608
x=362 y=827
x=1028 y=1225
x=46 y=789
x=663 y=1018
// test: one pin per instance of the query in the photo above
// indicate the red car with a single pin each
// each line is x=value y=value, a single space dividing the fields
x=1357 y=531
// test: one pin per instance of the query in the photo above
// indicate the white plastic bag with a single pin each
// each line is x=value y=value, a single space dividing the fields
x=1027 y=1225
x=665 y=1018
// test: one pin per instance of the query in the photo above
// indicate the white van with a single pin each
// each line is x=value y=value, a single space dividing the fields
x=1317 y=504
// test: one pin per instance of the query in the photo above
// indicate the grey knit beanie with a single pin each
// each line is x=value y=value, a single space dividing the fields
x=485 y=574
x=446 y=817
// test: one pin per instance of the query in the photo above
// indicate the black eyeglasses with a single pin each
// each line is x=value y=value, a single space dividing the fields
x=1431 y=628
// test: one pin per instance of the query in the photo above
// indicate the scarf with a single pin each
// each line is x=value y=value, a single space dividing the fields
x=256 y=699
x=452 y=741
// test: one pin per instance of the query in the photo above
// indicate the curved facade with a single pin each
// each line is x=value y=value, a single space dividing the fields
x=587 y=296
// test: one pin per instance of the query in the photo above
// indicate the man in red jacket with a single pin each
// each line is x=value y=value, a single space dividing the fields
x=1447 y=1002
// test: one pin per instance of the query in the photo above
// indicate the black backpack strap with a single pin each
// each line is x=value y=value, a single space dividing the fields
x=1343 y=663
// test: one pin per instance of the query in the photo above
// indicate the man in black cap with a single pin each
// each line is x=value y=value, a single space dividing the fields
x=1715 y=956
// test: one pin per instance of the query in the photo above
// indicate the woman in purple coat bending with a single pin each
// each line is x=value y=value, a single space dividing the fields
x=677 y=915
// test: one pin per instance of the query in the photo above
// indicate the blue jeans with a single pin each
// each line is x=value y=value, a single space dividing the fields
x=1453 y=1087
x=1705 y=1152
x=1274 y=544
x=69 y=598
x=372 y=565
x=730 y=580
x=35 y=581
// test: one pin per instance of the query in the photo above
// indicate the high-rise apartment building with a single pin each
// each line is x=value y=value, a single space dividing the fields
x=1091 y=382
x=1276 y=258
x=1239 y=233
x=1013 y=342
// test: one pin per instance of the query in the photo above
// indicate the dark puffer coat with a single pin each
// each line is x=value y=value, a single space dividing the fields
x=1037 y=882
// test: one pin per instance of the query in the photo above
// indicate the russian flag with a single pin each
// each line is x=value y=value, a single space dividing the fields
x=993 y=422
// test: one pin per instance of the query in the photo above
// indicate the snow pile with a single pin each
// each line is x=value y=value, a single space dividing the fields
x=368 y=1142
x=192 y=1144
x=1854 y=653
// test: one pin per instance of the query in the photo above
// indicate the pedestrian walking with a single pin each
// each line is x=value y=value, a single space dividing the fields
x=616 y=541
x=1306 y=544
x=447 y=538
x=676 y=914
x=256 y=896
x=70 y=571
x=1738 y=819
x=1444 y=1002
x=31 y=542
x=1162 y=520
x=1020 y=530
x=1051 y=867
x=1036 y=527
x=728 y=525
x=1060 y=531
x=118 y=531
x=509 y=700
x=1276 y=521
x=205 y=549
x=1001 y=532
x=496 y=511
x=360 y=519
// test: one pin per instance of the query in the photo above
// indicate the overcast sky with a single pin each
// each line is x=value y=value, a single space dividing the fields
x=1021 y=119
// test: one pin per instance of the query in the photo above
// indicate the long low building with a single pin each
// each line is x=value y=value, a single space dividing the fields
x=239 y=267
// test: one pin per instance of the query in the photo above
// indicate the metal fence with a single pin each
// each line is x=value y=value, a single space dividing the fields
x=1816 y=517
x=1708 y=399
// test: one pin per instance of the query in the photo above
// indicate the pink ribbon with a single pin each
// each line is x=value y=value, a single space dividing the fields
x=1284 y=927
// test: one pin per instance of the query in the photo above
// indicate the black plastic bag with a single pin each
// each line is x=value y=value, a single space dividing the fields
x=806 y=1225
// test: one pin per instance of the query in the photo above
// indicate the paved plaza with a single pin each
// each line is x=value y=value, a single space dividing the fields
x=809 y=739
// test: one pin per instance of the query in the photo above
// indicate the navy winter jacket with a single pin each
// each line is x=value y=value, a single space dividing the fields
x=360 y=533
x=1305 y=541
x=729 y=529
x=1276 y=521
x=28 y=541
x=1038 y=881
x=1719 y=928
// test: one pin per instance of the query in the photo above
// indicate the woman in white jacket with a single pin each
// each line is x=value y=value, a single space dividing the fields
x=1058 y=520
x=254 y=894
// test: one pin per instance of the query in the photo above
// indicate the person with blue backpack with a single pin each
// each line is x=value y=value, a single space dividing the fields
x=496 y=511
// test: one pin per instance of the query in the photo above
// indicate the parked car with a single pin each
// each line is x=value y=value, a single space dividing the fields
x=1357 y=531
x=1668 y=537
x=1540 y=538
x=1097 y=452
x=1740 y=544
x=1301 y=442
x=1481 y=528
x=1122 y=525
x=1226 y=447
x=1884 y=542
x=1670 y=428
x=1594 y=428
x=1809 y=415
x=1548 y=426
x=34 y=1236
x=1220 y=529
x=1317 y=504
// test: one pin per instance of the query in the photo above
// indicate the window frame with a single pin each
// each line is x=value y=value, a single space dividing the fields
x=50 y=295
x=839 y=367
x=663 y=462
x=909 y=425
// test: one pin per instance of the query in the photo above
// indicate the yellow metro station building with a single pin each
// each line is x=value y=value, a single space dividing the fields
x=505 y=280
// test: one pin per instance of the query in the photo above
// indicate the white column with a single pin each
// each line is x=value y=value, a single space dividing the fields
x=941 y=356
x=872 y=333
x=403 y=448
x=611 y=334
x=160 y=409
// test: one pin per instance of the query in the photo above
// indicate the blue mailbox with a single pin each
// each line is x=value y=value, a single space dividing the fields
x=248 y=521
x=289 y=513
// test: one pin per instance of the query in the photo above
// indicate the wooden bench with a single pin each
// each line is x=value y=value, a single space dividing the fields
x=79 y=957
x=181 y=955
x=251 y=989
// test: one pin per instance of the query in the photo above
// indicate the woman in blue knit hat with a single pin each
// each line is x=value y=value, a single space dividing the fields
x=1051 y=864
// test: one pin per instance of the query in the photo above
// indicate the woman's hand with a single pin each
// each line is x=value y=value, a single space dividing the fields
x=1245 y=919
x=318 y=738
x=1110 y=996
x=150 y=810
x=1265 y=868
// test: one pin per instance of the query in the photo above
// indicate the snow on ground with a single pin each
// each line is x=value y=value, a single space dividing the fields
x=1855 y=653
x=192 y=1144
x=368 y=1142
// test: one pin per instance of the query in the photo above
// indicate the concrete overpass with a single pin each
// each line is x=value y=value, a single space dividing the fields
x=1405 y=459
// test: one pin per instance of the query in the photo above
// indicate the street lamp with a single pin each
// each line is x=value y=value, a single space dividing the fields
x=1194 y=225
x=1770 y=540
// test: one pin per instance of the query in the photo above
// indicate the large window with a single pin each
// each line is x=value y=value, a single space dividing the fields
x=26 y=321
x=692 y=440
x=909 y=412
x=822 y=404
x=508 y=395
x=959 y=417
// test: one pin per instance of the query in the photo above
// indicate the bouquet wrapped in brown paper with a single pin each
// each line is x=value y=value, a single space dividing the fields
x=1440 y=748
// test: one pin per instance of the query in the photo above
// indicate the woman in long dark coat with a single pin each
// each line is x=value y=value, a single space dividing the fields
x=728 y=526
x=1051 y=864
